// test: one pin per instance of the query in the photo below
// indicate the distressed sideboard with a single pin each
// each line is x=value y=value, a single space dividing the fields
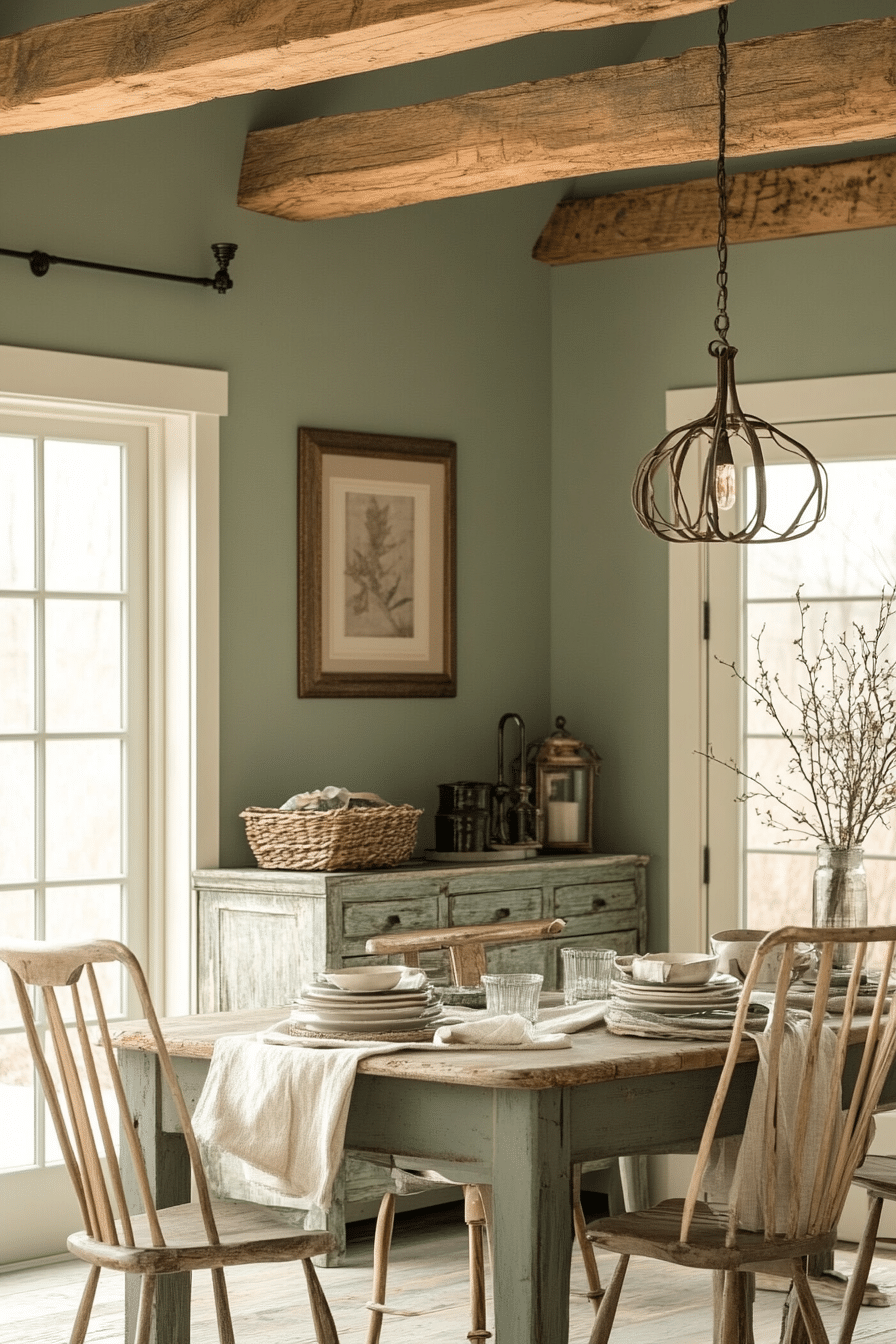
x=263 y=934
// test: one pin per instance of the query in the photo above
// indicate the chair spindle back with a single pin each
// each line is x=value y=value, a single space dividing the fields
x=818 y=1142
x=55 y=968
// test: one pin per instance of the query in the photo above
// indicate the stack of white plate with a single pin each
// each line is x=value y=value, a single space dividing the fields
x=324 y=1010
x=720 y=991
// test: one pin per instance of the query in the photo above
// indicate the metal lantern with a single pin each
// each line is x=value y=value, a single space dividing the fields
x=698 y=499
x=565 y=769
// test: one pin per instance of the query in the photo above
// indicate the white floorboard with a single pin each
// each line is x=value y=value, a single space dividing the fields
x=660 y=1302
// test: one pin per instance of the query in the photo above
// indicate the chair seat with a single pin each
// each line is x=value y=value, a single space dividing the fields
x=248 y=1232
x=655 y=1233
x=877 y=1175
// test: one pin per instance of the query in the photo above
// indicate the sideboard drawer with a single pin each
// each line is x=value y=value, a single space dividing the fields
x=593 y=897
x=492 y=907
x=363 y=919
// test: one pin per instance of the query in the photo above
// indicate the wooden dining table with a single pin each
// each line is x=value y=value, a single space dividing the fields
x=515 y=1120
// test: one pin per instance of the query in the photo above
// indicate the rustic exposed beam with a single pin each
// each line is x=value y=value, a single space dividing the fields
x=822 y=87
x=173 y=53
x=772 y=203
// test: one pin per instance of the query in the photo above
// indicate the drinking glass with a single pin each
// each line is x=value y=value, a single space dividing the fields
x=512 y=994
x=587 y=973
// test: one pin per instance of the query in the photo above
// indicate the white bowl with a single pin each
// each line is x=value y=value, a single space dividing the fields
x=674 y=968
x=365 y=979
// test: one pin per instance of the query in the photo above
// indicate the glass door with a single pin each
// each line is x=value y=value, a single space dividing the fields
x=841 y=569
x=73 y=726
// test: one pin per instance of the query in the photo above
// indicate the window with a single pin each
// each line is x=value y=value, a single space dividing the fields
x=725 y=867
x=73 y=713
x=108 y=716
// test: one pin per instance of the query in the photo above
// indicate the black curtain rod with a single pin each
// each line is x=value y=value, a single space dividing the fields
x=41 y=262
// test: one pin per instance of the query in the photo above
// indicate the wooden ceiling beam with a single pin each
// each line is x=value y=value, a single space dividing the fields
x=770 y=204
x=826 y=86
x=174 y=53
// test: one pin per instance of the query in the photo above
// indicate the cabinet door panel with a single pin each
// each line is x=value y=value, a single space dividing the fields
x=264 y=958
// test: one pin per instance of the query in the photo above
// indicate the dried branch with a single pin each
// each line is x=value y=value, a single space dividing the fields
x=840 y=731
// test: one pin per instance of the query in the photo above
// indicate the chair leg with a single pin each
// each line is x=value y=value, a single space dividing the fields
x=810 y=1313
x=586 y=1247
x=144 y=1319
x=82 y=1320
x=324 y=1325
x=855 y=1289
x=736 y=1306
x=606 y=1312
x=222 y=1307
x=382 y=1241
x=474 y=1216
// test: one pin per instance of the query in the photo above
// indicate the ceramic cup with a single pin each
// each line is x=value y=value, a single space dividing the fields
x=587 y=973
x=736 y=948
x=512 y=994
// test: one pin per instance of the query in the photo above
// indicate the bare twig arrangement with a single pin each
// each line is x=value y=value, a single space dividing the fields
x=840 y=728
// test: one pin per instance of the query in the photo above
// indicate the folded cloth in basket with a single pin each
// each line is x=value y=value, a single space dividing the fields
x=273 y=1119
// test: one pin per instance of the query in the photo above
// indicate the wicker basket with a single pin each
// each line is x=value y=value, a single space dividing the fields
x=355 y=837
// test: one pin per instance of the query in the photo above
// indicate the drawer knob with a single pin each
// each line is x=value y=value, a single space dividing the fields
x=392 y=920
x=503 y=913
x=598 y=903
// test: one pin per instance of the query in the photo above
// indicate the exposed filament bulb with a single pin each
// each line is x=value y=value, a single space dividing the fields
x=725 y=491
x=726 y=494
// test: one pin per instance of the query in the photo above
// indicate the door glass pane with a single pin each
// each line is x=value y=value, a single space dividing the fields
x=16 y=811
x=83 y=809
x=16 y=664
x=82 y=508
x=79 y=914
x=16 y=512
x=16 y=1102
x=16 y=921
x=841 y=568
x=83 y=657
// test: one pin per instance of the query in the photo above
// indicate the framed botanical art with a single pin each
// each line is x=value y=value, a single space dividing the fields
x=376 y=565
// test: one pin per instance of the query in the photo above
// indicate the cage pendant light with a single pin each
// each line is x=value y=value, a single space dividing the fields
x=700 y=497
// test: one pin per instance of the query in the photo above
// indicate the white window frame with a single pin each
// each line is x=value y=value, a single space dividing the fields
x=696 y=908
x=181 y=408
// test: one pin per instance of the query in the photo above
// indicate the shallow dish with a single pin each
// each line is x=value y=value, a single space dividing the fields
x=674 y=968
x=365 y=979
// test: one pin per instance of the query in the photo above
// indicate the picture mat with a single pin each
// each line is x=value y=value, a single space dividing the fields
x=424 y=482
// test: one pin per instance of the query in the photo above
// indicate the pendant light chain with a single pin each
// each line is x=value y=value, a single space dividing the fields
x=696 y=466
x=721 y=323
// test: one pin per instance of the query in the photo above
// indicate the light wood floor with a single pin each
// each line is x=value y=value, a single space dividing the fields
x=662 y=1303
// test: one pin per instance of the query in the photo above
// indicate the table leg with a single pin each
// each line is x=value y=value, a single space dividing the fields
x=532 y=1180
x=168 y=1169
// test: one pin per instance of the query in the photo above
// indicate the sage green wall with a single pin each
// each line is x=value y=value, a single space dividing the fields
x=624 y=332
x=430 y=321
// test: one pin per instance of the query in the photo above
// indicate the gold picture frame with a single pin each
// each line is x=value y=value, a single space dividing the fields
x=376 y=607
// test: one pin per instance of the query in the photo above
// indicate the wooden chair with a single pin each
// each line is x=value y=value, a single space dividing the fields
x=173 y=1240
x=466 y=947
x=877 y=1175
x=808 y=1204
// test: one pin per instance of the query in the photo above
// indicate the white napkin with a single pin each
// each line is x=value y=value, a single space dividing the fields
x=276 y=1118
x=738 y=1165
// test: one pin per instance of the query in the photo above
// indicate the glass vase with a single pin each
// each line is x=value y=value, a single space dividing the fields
x=840 y=895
